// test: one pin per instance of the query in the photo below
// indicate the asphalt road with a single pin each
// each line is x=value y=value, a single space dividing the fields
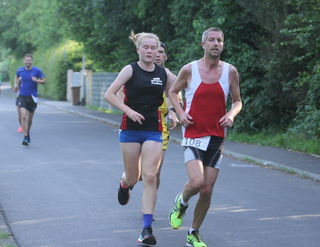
x=61 y=192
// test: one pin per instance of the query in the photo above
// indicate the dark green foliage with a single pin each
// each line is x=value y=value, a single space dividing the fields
x=27 y=25
x=273 y=44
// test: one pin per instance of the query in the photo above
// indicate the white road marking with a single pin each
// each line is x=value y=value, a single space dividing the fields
x=242 y=165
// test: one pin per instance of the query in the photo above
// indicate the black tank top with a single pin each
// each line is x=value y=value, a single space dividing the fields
x=144 y=94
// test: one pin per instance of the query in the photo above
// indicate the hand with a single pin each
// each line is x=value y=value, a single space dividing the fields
x=173 y=118
x=34 y=79
x=185 y=119
x=16 y=88
x=135 y=116
x=226 y=121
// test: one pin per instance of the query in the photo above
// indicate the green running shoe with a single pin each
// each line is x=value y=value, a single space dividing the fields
x=193 y=240
x=177 y=212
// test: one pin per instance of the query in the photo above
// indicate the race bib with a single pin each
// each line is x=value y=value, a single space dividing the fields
x=35 y=99
x=201 y=143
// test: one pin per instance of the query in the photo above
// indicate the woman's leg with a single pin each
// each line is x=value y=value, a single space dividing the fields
x=150 y=161
x=131 y=159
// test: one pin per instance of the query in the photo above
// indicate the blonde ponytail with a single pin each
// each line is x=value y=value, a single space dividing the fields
x=137 y=38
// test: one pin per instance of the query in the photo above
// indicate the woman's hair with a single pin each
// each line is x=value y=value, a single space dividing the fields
x=137 y=38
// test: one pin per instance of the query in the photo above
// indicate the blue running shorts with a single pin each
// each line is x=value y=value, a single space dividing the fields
x=139 y=136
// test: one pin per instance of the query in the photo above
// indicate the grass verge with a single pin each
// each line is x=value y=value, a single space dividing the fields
x=102 y=109
x=289 y=141
x=4 y=235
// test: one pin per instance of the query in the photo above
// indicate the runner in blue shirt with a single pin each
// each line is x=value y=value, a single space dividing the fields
x=28 y=77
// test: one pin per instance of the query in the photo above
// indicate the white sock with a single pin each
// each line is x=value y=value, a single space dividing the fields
x=186 y=204
x=191 y=230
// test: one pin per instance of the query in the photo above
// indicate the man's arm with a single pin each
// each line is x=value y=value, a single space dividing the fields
x=39 y=77
x=38 y=80
x=181 y=82
x=171 y=114
x=228 y=119
x=17 y=82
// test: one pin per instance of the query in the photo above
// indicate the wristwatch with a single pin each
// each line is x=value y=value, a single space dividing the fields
x=172 y=109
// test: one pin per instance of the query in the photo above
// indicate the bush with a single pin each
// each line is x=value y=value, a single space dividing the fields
x=308 y=113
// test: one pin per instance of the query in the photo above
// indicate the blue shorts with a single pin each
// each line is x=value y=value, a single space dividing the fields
x=139 y=136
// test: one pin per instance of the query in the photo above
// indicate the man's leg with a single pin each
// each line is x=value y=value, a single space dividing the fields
x=196 y=179
x=19 y=119
x=201 y=209
x=29 y=121
x=24 y=120
x=165 y=142
x=204 y=201
x=159 y=170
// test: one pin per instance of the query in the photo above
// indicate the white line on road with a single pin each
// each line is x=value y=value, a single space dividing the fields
x=243 y=165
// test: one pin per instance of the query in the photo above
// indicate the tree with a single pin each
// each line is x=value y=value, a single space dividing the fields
x=10 y=27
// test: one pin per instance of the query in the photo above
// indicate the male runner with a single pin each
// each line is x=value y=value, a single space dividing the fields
x=28 y=77
x=207 y=83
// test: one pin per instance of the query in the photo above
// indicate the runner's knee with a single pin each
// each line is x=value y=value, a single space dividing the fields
x=206 y=192
x=149 y=177
x=196 y=183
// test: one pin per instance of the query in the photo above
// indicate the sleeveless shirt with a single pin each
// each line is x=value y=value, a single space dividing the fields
x=144 y=94
x=206 y=104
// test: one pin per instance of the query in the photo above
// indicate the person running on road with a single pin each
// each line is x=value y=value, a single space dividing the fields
x=140 y=135
x=29 y=77
x=168 y=114
x=17 y=90
x=207 y=84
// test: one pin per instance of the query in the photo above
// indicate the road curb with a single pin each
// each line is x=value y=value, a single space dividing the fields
x=7 y=238
x=108 y=121
x=274 y=165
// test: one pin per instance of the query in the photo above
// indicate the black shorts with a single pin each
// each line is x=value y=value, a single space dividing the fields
x=212 y=157
x=26 y=102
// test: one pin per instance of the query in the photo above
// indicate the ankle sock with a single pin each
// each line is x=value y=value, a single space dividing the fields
x=147 y=220
x=186 y=204
x=123 y=185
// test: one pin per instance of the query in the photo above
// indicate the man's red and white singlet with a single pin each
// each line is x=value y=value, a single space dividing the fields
x=206 y=104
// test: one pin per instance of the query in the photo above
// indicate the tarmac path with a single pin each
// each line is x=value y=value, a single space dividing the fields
x=61 y=192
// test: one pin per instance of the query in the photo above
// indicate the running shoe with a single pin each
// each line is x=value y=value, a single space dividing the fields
x=124 y=194
x=193 y=240
x=26 y=141
x=146 y=236
x=177 y=212
x=20 y=130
